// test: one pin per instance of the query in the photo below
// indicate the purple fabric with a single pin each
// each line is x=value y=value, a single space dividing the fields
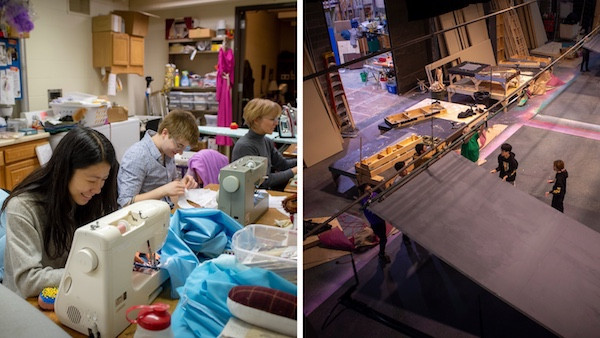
x=224 y=85
x=205 y=165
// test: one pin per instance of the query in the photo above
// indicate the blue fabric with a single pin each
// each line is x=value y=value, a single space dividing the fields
x=202 y=310
x=3 y=196
x=194 y=236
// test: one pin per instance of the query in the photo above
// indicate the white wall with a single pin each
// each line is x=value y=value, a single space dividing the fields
x=59 y=51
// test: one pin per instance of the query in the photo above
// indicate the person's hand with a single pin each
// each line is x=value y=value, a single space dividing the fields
x=550 y=181
x=504 y=178
x=295 y=170
x=138 y=259
x=189 y=182
x=547 y=193
x=493 y=171
x=174 y=188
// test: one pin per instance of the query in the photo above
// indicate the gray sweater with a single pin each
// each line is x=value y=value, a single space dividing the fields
x=279 y=169
x=27 y=267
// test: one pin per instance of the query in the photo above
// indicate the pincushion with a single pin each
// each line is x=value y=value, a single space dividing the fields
x=265 y=307
x=47 y=297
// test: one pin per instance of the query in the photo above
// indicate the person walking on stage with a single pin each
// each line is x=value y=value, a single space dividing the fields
x=507 y=164
x=559 y=189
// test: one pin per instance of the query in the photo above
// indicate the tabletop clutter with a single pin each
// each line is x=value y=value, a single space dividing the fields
x=207 y=245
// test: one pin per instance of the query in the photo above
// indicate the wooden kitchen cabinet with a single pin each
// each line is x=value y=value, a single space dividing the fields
x=120 y=52
x=17 y=160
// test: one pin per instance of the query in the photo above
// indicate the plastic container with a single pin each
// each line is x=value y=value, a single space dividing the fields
x=185 y=80
x=267 y=247
x=174 y=104
x=211 y=120
x=392 y=88
x=177 y=79
x=186 y=97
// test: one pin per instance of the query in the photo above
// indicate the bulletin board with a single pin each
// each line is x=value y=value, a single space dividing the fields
x=10 y=71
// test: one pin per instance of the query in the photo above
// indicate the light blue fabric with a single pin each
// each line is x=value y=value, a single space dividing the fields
x=202 y=310
x=3 y=196
x=194 y=236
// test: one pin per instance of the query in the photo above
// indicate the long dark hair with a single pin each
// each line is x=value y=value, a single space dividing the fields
x=80 y=148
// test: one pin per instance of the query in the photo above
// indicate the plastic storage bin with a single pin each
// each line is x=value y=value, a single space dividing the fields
x=186 y=97
x=267 y=247
x=211 y=120
x=174 y=104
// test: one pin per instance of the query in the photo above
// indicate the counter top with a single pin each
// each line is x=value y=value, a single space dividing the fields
x=237 y=133
x=11 y=141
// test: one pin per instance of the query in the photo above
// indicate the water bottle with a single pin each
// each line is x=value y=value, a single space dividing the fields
x=153 y=321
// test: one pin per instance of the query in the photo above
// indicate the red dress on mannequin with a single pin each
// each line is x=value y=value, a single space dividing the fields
x=224 y=85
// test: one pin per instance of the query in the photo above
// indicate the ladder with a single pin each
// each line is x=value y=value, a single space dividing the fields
x=337 y=95
x=514 y=40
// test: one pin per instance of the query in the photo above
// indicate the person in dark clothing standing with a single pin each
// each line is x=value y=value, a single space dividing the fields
x=559 y=189
x=507 y=164
x=376 y=222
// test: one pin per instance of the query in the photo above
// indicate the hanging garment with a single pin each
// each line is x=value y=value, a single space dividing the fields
x=205 y=165
x=224 y=85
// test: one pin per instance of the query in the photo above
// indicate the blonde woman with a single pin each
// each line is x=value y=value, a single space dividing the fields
x=262 y=117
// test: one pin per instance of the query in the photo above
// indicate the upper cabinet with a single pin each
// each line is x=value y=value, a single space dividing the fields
x=120 y=52
x=118 y=41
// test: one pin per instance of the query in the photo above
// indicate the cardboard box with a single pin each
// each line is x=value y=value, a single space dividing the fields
x=107 y=23
x=117 y=114
x=136 y=23
x=179 y=28
x=201 y=33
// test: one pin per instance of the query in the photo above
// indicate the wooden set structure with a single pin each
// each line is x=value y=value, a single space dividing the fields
x=523 y=61
x=409 y=117
x=368 y=170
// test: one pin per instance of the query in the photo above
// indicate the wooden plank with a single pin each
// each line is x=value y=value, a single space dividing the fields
x=452 y=39
x=462 y=31
x=538 y=25
x=477 y=31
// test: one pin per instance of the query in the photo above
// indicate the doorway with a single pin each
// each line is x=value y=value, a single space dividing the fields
x=266 y=50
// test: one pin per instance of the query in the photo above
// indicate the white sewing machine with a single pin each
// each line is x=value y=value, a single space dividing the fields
x=99 y=283
x=237 y=184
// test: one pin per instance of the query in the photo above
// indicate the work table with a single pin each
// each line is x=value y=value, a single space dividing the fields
x=267 y=218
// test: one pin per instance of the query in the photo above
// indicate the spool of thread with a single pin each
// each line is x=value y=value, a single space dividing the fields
x=123 y=226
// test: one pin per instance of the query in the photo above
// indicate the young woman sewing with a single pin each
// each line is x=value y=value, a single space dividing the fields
x=262 y=116
x=77 y=186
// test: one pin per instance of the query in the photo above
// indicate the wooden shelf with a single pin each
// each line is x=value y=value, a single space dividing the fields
x=193 y=40
x=194 y=89
x=206 y=52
